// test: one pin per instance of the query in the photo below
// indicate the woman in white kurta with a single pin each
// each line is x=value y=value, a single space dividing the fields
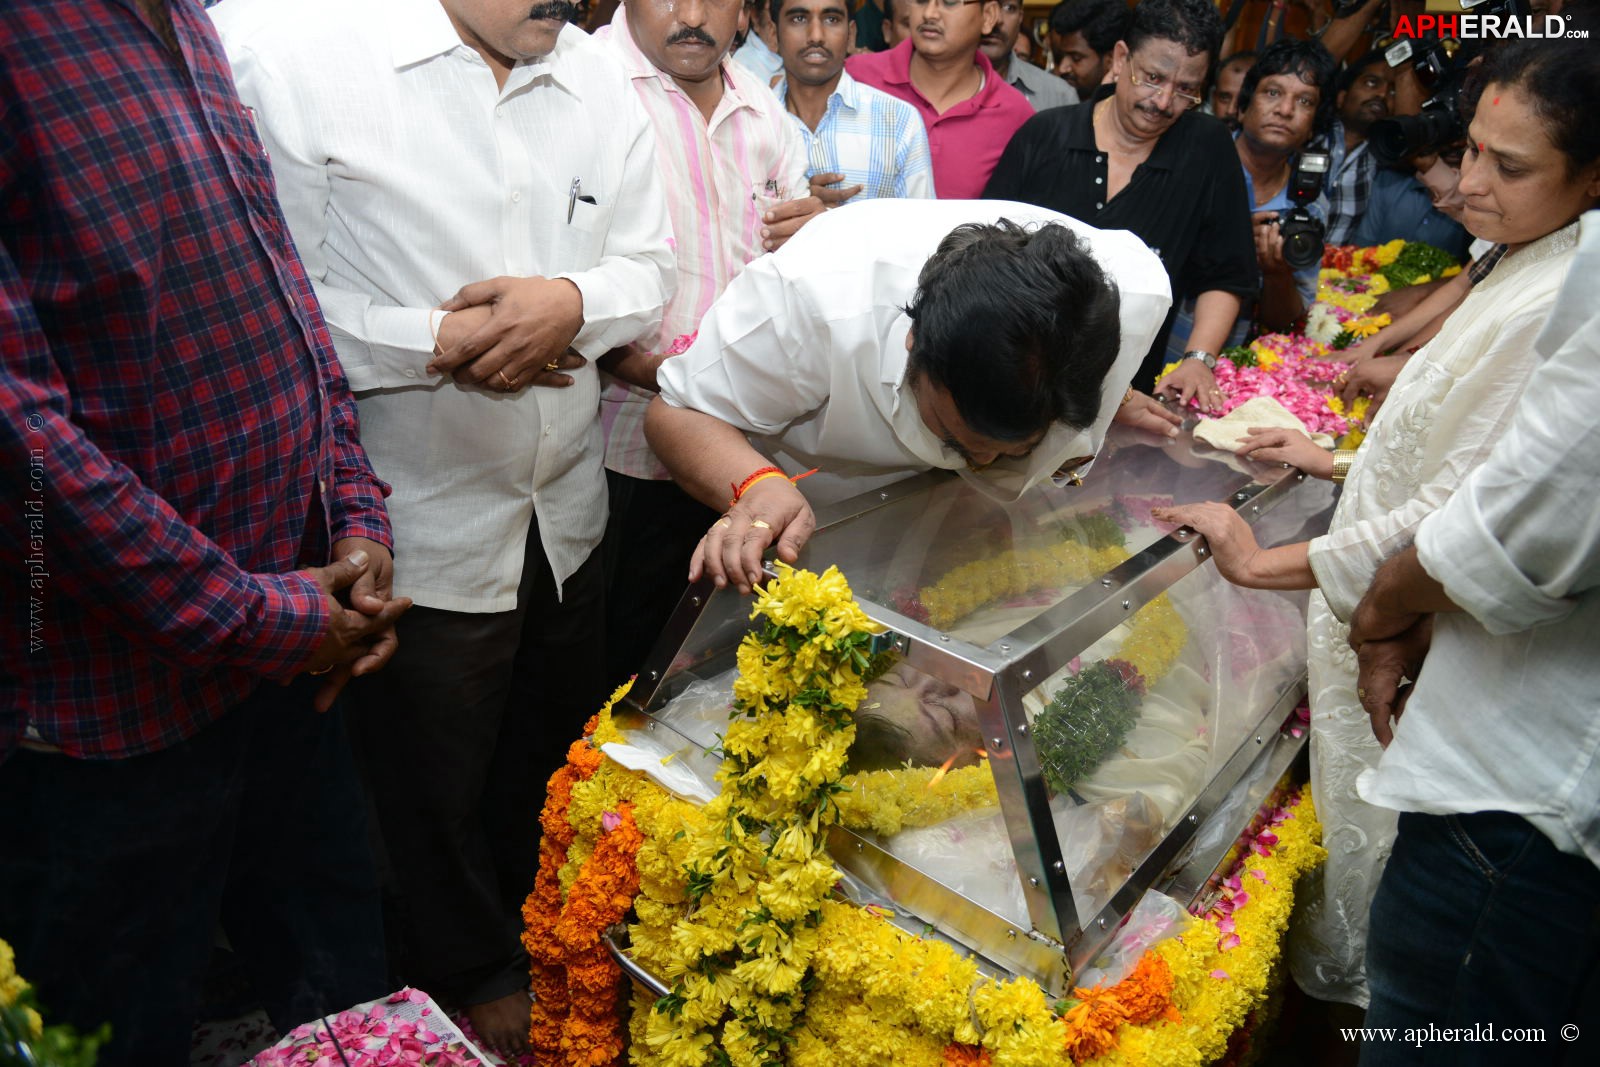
x=1445 y=412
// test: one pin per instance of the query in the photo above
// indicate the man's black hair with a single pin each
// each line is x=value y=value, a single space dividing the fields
x=1308 y=61
x=1019 y=325
x=1102 y=22
x=1194 y=24
x=1348 y=76
x=775 y=8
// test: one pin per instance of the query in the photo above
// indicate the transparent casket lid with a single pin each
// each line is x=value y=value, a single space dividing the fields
x=1127 y=725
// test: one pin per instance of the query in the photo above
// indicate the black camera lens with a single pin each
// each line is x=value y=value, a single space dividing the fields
x=1396 y=139
x=1302 y=238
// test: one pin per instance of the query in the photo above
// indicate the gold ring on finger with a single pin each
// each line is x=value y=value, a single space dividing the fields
x=761 y=524
x=553 y=365
x=324 y=670
x=502 y=376
x=725 y=523
x=1361 y=694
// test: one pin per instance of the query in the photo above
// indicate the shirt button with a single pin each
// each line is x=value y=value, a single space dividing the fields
x=410 y=373
x=547 y=430
x=500 y=112
x=516 y=196
x=1098 y=204
x=1099 y=159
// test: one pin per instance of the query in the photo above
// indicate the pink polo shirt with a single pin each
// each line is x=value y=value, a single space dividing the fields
x=967 y=140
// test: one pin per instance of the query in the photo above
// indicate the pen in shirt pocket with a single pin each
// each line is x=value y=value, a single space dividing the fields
x=575 y=195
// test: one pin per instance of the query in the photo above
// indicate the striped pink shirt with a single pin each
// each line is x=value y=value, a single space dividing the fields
x=719 y=177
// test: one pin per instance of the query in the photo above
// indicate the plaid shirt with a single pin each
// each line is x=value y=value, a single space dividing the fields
x=177 y=434
x=873 y=139
x=1348 y=185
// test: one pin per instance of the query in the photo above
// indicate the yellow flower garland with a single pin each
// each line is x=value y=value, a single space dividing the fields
x=756 y=870
x=744 y=943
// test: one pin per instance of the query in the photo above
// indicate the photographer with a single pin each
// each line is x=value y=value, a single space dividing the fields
x=1286 y=98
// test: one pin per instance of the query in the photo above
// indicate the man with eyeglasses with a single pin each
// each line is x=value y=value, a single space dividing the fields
x=1135 y=158
x=967 y=108
x=1042 y=89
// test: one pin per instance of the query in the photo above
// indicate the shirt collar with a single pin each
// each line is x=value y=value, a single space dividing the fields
x=1169 y=151
x=637 y=65
x=423 y=31
x=420 y=32
x=847 y=92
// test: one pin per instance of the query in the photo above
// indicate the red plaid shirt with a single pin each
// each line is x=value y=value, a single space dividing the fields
x=176 y=433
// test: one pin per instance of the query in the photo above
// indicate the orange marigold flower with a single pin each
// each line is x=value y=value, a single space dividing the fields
x=965 y=1056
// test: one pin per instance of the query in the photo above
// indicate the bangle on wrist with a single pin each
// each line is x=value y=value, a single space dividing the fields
x=1342 y=460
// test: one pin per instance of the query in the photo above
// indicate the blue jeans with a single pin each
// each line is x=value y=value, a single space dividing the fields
x=1480 y=922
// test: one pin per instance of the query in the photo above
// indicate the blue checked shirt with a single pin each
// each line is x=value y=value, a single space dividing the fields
x=873 y=139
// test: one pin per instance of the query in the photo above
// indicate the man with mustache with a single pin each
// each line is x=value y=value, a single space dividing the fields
x=1366 y=91
x=734 y=168
x=477 y=236
x=968 y=109
x=1135 y=157
x=1225 y=93
x=856 y=137
x=1041 y=88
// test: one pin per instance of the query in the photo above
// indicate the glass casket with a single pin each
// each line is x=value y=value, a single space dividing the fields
x=1131 y=707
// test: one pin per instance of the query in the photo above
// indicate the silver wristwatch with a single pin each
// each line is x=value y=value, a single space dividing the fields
x=1205 y=357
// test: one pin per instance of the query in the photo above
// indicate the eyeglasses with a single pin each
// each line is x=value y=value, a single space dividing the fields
x=1152 y=84
x=948 y=5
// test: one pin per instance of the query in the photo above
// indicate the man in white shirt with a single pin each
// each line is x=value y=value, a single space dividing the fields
x=735 y=173
x=1486 y=913
x=985 y=337
x=448 y=152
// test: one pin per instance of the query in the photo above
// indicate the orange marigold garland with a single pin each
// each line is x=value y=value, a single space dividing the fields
x=575 y=984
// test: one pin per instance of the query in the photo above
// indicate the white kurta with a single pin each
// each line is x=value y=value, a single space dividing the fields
x=806 y=350
x=1447 y=409
x=406 y=173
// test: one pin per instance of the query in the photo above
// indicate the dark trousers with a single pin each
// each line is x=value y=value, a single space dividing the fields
x=652 y=532
x=113 y=874
x=457 y=738
x=1481 y=922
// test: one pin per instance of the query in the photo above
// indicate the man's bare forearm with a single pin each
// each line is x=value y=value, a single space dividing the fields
x=705 y=455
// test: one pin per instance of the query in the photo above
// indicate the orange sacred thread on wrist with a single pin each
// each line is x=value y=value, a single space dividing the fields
x=760 y=475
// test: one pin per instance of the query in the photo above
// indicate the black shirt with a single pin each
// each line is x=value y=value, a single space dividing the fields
x=1187 y=201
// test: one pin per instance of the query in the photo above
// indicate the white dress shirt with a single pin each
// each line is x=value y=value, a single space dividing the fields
x=1506 y=713
x=805 y=350
x=406 y=173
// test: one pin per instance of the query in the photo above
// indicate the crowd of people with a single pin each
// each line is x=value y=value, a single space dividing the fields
x=375 y=374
